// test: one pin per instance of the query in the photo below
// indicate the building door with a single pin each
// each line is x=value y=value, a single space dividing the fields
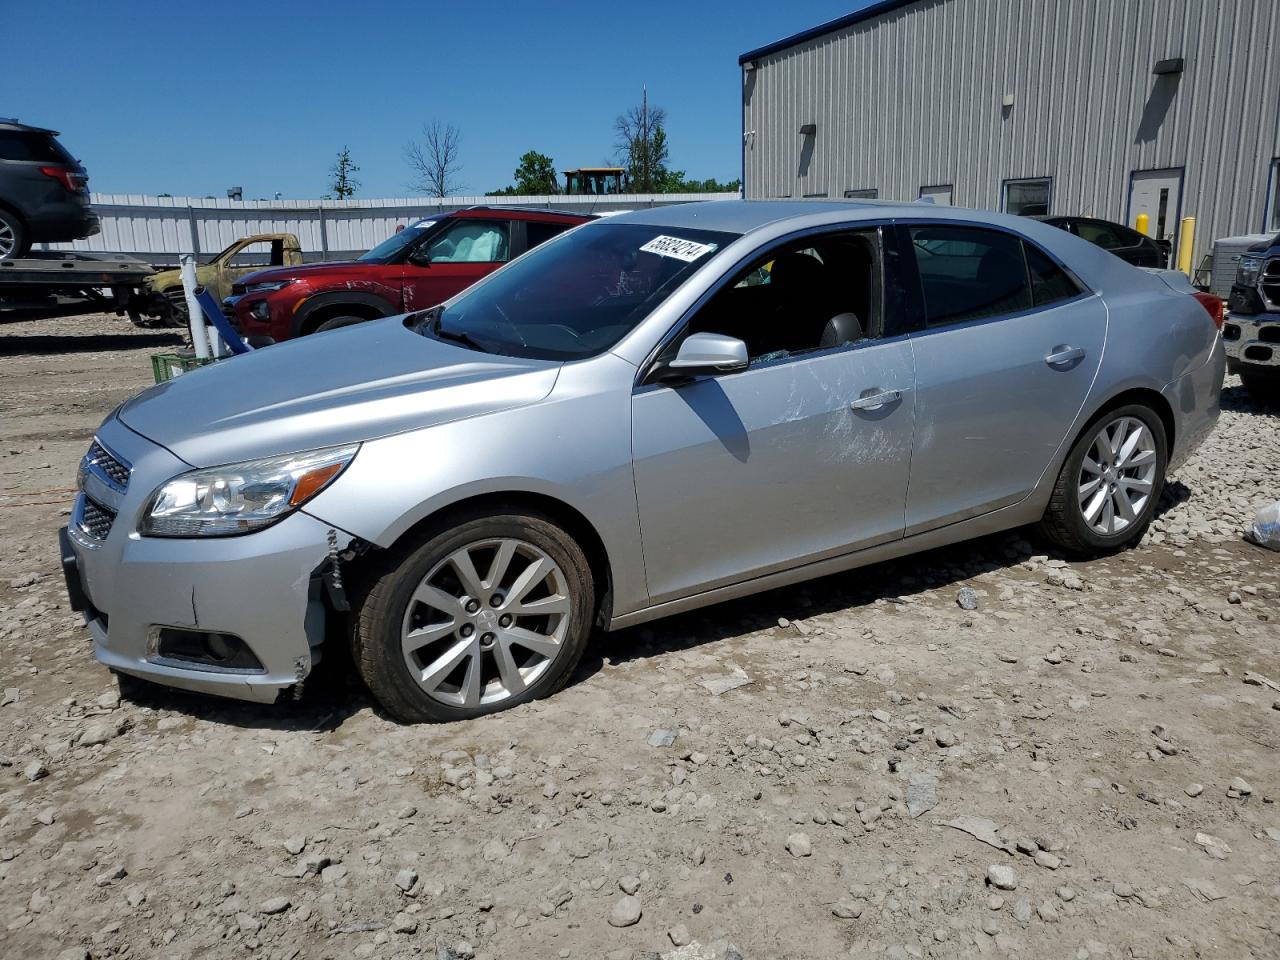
x=1158 y=194
x=941 y=195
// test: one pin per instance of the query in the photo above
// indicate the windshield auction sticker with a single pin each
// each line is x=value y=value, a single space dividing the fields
x=686 y=250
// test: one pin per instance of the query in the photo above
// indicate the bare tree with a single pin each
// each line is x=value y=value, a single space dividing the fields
x=642 y=145
x=434 y=159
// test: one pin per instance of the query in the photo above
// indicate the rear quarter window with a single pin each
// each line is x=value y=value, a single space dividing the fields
x=34 y=147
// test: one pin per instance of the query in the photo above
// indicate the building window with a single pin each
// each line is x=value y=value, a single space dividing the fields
x=938 y=193
x=1273 y=207
x=813 y=196
x=866 y=193
x=1027 y=198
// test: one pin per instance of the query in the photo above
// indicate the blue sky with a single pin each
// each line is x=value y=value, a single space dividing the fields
x=191 y=99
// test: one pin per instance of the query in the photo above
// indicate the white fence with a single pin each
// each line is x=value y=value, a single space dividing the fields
x=159 y=229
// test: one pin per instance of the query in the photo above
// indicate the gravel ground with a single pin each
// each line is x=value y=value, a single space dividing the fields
x=1083 y=766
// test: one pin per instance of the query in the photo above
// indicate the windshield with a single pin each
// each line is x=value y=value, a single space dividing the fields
x=388 y=248
x=579 y=294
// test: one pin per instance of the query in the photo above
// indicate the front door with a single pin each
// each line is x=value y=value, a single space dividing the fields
x=802 y=456
x=453 y=259
x=1158 y=194
x=1006 y=356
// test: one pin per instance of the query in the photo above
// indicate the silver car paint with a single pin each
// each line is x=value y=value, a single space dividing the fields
x=441 y=424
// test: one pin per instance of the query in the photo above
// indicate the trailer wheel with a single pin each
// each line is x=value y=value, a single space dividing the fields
x=13 y=237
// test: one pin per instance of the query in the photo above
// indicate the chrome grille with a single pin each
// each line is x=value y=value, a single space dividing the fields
x=107 y=466
x=94 y=520
x=1269 y=284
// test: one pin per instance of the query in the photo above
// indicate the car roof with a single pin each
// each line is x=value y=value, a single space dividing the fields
x=746 y=216
x=520 y=212
x=9 y=123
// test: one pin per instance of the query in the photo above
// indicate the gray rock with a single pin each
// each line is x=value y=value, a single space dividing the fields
x=662 y=738
x=626 y=912
x=1240 y=787
x=1002 y=877
x=1044 y=858
x=798 y=845
x=629 y=885
x=946 y=737
x=99 y=732
x=404 y=923
x=35 y=770
x=1047 y=912
x=967 y=598
x=406 y=878
x=1193 y=789
x=274 y=905
x=295 y=845
x=679 y=935
x=847 y=909
x=922 y=793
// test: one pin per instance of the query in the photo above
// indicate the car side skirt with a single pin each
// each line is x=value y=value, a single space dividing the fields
x=1028 y=510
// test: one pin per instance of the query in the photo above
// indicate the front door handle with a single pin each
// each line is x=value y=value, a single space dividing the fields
x=872 y=401
x=1064 y=354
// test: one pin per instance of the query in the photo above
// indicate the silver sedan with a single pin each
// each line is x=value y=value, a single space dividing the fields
x=650 y=413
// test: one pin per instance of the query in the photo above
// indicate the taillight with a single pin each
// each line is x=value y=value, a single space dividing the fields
x=68 y=178
x=1214 y=307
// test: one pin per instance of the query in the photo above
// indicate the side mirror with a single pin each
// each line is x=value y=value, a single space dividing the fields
x=704 y=353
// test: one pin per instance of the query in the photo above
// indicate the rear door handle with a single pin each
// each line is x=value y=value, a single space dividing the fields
x=1063 y=354
x=871 y=401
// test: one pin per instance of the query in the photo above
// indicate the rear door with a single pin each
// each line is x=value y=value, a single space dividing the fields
x=1006 y=347
x=456 y=257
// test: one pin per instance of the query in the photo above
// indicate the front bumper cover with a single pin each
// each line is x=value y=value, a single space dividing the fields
x=264 y=587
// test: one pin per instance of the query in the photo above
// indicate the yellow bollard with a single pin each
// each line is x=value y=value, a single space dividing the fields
x=1143 y=225
x=1186 y=240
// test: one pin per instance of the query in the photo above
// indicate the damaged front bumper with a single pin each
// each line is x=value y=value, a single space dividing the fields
x=148 y=602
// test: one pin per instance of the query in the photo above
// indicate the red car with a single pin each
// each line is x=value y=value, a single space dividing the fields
x=417 y=267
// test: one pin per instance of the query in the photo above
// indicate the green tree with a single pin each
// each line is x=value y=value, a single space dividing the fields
x=642 y=146
x=343 y=184
x=675 y=182
x=536 y=175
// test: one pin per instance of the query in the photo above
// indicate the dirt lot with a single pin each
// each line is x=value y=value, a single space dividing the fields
x=1084 y=766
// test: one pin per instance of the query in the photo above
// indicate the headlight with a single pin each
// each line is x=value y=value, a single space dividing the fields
x=1247 y=272
x=241 y=497
x=268 y=286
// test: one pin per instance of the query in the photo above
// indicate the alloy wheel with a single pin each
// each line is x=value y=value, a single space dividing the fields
x=8 y=240
x=474 y=639
x=1117 y=476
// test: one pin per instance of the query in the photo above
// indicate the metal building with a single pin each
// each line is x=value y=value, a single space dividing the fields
x=1109 y=108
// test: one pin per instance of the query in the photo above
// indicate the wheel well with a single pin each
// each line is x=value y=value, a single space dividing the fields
x=328 y=312
x=1148 y=398
x=559 y=512
x=11 y=209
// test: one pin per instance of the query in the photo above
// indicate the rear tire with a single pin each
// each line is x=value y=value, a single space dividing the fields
x=13 y=237
x=1110 y=483
x=336 y=323
x=481 y=616
x=1264 y=388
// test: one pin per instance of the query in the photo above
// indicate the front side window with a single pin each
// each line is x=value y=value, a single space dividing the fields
x=578 y=296
x=1027 y=198
x=814 y=294
x=470 y=241
x=967 y=273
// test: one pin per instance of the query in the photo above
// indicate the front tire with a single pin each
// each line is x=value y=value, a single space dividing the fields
x=479 y=617
x=1107 y=490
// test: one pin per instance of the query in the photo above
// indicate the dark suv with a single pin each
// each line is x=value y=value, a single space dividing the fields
x=44 y=192
x=419 y=266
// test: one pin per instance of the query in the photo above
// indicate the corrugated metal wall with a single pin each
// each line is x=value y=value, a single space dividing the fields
x=159 y=229
x=913 y=97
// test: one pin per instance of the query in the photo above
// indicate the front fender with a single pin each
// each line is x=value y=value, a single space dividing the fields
x=328 y=298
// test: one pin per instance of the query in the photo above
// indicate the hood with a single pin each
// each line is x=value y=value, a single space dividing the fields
x=344 y=386
x=303 y=270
